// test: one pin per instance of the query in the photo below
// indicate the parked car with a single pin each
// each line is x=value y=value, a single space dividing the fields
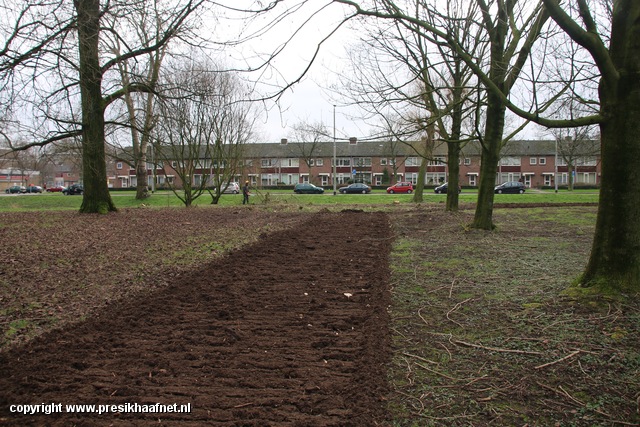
x=441 y=189
x=16 y=189
x=55 y=189
x=510 y=187
x=400 y=187
x=73 y=189
x=307 y=188
x=356 y=188
x=34 y=189
x=232 y=188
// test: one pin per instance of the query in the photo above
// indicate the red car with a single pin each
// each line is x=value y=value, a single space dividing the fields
x=55 y=189
x=400 y=187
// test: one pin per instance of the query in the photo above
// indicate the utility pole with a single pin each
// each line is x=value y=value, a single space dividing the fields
x=334 y=150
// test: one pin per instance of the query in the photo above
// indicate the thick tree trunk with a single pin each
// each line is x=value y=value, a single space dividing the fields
x=418 y=194
x=453 y=150
x=142 y=186
x=491 y=146
x=96 y=197
x=614 y=264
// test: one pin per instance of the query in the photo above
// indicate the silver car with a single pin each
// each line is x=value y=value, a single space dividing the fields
x=232 y=188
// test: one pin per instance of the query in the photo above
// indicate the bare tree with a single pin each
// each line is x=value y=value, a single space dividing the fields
x=54 y=76
x=511 y=28
x=614 y=263
x=309 y=136
x=146 y=24
x=202 y=129
x=437 y=93
x=233 y=118
x=575 y=147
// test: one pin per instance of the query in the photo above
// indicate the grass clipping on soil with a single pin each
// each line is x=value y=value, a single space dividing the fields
x=483 y=335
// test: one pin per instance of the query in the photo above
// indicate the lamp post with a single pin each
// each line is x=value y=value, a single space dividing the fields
x=555 y=168
x=334 y=150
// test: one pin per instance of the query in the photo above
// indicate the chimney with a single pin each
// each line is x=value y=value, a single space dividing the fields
x=283 y=141
x=353 y=141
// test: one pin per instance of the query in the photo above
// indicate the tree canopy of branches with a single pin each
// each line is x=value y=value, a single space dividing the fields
x=309 y=135
x=609 y=36
x=56 y=65
x=421 y=84
x=203 y=126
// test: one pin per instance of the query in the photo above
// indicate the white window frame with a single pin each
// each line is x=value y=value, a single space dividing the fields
x=412 y=161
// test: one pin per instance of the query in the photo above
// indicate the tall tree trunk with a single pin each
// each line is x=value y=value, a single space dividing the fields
x=453 y=143
x=96 y=197
x=453 y=150
x=418 y=191
x=614 y=263
x=491 y=146
x=142 y=178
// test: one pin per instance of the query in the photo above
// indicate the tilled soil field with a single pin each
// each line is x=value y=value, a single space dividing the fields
x=291 y=330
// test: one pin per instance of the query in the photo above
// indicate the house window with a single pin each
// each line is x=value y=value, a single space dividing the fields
x=119 y=165
x=587 y=161
x=342 y=161
x=268 y=163
x=319 y=162
x=542 y=161
x=467 y=161
x=533 y=161
x=437 y=161
x=383 y=162
x=290 y=163
x=510 y=161
x=412 y=161
x=362 y=161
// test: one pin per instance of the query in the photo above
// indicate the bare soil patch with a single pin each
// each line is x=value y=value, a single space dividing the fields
x=290 y=316
x=288 y=330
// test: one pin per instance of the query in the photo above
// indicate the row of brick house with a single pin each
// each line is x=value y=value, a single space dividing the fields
x=380 y=163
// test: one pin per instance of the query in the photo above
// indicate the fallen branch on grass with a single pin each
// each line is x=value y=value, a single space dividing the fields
x=501 y=350
x=569 y=356
x=455 y=307
x=562 y=392
x=420 y=358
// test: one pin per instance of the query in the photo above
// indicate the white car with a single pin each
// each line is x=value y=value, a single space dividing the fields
x=232 y=188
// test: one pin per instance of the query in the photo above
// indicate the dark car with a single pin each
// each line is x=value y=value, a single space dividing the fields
x=513 y=187
x=307 y=188
x=73 y=189
x=400 y=187
x=356 y=188
x=441 y=189
x=16 y=189
x=34 y=189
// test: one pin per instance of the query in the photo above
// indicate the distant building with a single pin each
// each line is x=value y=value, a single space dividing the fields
x=381 y=163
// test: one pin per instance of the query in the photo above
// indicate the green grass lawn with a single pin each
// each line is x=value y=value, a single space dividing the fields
x=126 y=199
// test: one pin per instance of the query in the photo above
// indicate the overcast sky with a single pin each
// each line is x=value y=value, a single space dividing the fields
x=311 y=100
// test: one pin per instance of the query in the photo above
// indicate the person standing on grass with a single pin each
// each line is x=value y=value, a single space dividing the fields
x=245 y=193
